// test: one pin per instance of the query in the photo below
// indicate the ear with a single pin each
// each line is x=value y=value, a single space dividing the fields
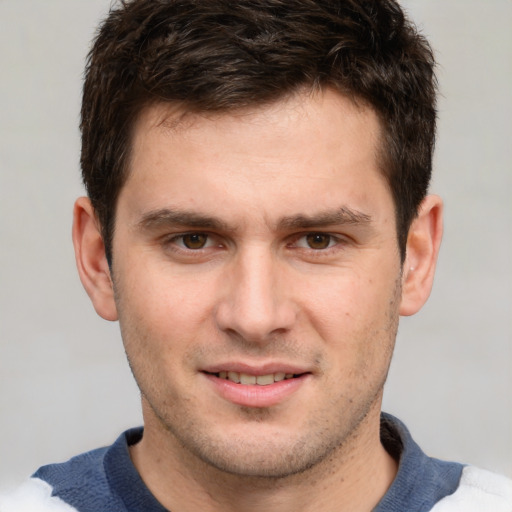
x=423 y=242
x=91 y=260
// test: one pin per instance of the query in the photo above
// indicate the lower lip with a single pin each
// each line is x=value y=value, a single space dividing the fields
x=248 y=395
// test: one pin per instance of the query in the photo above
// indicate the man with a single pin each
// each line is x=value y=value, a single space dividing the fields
x=257 y=219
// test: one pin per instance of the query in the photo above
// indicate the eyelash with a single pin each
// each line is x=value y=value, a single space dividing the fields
x=332 y=241
x=176 y=242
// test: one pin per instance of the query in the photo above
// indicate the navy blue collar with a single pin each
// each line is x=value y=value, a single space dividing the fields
x=124 y=479
x=420 y=483
x=106 y=479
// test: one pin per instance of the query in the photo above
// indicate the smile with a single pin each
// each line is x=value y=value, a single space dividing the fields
x=260 y=380
x=264 y=390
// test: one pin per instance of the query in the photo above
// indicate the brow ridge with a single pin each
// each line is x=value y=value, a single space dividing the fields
x=175 y=217
x=167 y=216
x=341 y=216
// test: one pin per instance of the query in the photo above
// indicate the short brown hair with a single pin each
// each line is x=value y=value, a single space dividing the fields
x=221 y=55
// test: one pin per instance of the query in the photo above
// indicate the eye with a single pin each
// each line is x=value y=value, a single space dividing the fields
x=316 y=241
x=193 y=247
x=193 y=241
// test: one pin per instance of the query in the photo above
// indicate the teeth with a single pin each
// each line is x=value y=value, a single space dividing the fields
x=234 y=376
x=247 y=379
x=261 y=380
x=265 y=380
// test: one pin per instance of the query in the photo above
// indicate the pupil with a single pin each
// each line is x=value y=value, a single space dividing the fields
x=318 y=241
x=194 y=241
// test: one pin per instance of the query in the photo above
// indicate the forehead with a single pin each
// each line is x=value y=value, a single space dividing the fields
x=316 y=143
x=311 y=107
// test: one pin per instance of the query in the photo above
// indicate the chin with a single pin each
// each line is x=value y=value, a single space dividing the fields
x=260 y=453
x=269 y=463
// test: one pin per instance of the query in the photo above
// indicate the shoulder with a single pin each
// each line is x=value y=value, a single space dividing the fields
x=425 y=483
x=84 y=483
x=478 y=491
x=59 y=487
x=84 y=468
x=35 y=495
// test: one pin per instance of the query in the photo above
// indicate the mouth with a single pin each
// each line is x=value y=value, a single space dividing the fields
x=253 y=386
x=263 y=388
x=251 y=380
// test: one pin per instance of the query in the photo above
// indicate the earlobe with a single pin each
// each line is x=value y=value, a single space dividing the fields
x=423 y=242
x=91 y=260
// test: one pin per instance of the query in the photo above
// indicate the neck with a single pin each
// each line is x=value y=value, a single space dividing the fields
x=354 y=477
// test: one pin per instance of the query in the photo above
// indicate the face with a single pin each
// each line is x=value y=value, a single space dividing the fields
x=257 y=280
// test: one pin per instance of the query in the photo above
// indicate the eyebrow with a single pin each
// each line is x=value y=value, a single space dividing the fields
x=341 y=216
x=170 y=217
x=165 y=217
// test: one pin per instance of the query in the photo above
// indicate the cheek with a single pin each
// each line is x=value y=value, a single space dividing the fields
x=345 y=302
x=357 y=318
x=160 y=311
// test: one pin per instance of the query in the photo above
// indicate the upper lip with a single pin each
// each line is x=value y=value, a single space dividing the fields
x=254 y=369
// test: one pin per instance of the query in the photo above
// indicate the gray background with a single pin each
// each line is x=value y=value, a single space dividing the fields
x=64 y=383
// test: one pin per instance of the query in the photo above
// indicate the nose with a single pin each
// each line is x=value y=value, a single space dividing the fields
x=256 y=303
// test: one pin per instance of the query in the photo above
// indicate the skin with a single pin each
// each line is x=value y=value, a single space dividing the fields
x=259 y=241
